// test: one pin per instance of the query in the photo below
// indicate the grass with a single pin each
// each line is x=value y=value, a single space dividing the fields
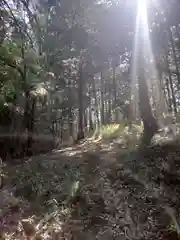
x=111 y=131
x=128 y=135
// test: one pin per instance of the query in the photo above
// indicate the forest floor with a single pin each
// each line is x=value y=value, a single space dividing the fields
x=99 y=189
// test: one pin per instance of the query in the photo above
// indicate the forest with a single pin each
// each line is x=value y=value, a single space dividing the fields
x=89 y=119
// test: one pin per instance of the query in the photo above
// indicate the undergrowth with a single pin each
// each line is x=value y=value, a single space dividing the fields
x=113 y=131
x=89 y=193
x=127 y=135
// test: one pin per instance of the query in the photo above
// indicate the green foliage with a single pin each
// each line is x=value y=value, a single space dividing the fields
x=10 y=84
x=20 y=70
x=111 y=131
x=126 y=135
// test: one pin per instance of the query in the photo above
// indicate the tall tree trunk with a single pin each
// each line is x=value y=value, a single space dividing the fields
x=26 y=109
x=174 y=55
x=173 y=95
x=149 y=122
x=80 y=96
x=91 y=126
x=70 y=122
x=96 y=103
x=61 y=127
x=110 y=104
x=102 y=99
x=106 y=95
x=163 y=106
x=170 y=81
x=114 y=63
x=30 y=104
x=85 y=121
x=31 y=126
x=169 y=95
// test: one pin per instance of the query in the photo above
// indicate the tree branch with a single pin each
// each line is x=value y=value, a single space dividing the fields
x=16 y=22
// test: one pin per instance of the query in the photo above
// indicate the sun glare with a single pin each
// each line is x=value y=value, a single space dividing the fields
x=142 y=8
x=142 y=43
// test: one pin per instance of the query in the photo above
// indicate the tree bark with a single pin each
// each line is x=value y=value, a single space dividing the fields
x=26 y=108
x=96 y=103
x=174 y=55
x=31 y=126
x=170 y=81
x=114 y=87
x=102 y=100
x=149 y=122
x=169 y=95
x=29 y=114
x=91 y=126
x=70 y=122
x=110 y=104
x=80 y=96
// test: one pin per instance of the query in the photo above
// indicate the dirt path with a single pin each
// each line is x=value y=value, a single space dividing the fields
x=95 y=190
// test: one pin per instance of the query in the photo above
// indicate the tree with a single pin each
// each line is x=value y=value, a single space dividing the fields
x=72 y=65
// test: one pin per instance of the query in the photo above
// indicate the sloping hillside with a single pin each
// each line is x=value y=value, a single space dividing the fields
x=95 y=189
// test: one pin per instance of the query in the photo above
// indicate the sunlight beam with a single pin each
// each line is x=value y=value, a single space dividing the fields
x=142 y=9
x=142 y=35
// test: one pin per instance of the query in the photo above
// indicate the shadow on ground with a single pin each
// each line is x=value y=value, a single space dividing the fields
x=96 y=190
